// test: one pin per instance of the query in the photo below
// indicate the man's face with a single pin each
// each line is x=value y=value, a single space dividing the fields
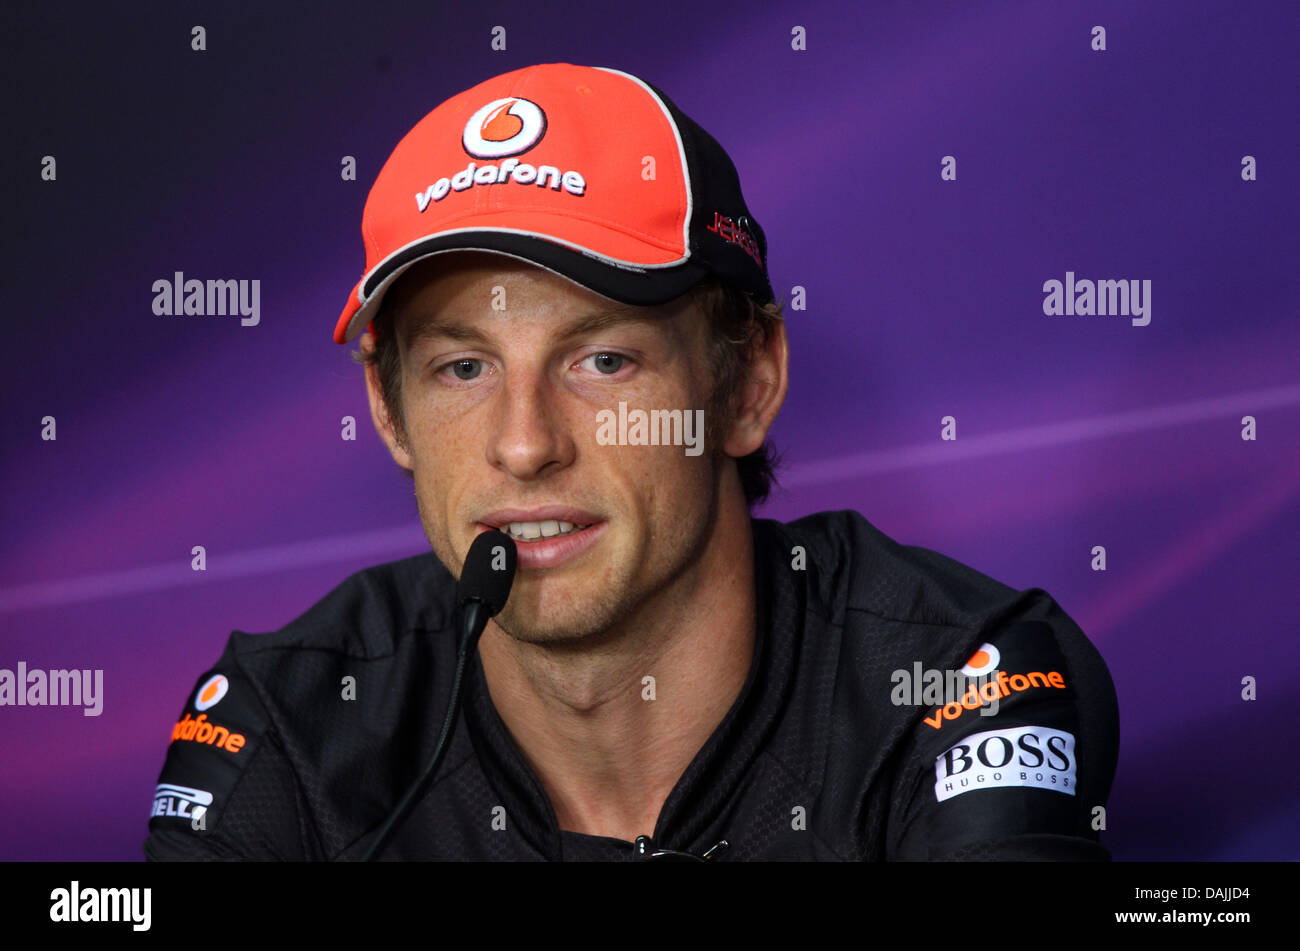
x=505 y=367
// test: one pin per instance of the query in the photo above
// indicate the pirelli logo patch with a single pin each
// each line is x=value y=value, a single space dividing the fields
x=182 y=802
x=1036 y=757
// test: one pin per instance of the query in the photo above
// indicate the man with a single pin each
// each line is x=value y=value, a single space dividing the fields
x=572 y=337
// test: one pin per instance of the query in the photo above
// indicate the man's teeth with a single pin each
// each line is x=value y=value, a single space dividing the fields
x=547 y=529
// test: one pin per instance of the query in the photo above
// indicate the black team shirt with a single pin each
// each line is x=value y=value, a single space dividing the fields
x=297 y=744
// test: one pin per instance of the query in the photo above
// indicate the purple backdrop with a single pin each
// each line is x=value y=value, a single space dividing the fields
x=924 y=299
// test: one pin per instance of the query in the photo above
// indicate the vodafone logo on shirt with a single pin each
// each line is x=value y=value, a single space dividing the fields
x=210 y=692
x=983 y=661
x=996 y=685
x=198 y=730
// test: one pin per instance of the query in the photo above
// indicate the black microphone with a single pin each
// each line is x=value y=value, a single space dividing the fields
x=482 y=591
x=485 y=583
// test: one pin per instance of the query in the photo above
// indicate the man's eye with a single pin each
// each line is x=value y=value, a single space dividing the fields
x=465 y=369
x=606 y=363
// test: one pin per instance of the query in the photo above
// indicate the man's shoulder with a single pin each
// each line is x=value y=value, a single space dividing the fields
x=280 y=721
x=858 y=568
x=374 y=621
x=367 y=613
x=902 y=632
x=897 y=605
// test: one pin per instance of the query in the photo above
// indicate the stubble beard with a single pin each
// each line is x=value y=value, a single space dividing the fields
x=573 y=623
x=609 y=606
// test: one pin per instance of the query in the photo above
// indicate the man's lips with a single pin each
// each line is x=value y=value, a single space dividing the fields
x=547 y=552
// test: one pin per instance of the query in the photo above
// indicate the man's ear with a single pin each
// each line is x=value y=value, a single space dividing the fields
x=379 y=414
x=762 y=394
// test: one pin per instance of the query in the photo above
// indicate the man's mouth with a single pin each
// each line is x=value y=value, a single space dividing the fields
x=552 y=535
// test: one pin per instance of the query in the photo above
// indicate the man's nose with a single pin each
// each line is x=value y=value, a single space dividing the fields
x=529 y=433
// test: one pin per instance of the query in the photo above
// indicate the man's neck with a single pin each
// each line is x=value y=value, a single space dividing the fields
x=607 y=742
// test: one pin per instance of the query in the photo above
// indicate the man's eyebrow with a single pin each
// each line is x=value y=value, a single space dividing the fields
x=444 y=327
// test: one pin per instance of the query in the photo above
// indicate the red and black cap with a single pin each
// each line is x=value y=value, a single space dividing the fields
x=587 y=171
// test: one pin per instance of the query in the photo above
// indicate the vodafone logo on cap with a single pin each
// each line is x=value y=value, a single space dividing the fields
x=211 y=692
x=504 y=127
x=983 y=661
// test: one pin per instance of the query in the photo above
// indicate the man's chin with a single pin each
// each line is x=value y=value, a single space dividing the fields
x=545 y=622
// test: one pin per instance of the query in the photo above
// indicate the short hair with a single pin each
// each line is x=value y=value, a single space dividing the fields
x=739 y=326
